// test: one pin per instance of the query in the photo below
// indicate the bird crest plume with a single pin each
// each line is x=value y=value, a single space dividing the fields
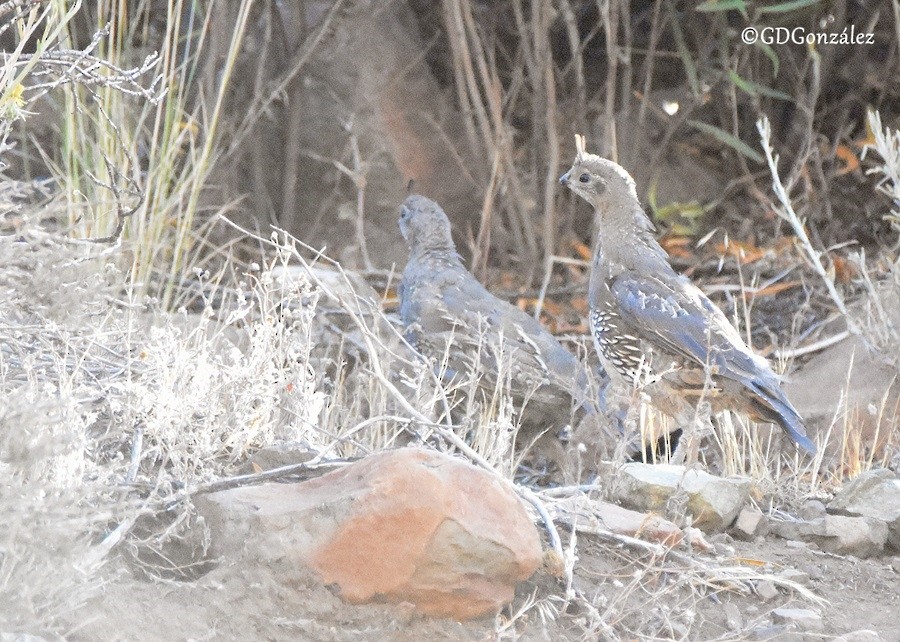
x=579 y=147
x=582 y=156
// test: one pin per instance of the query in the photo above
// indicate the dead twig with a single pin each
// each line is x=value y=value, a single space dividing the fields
x=354 y=312
x=786 y=211
x=812 y=347
x=261 y=107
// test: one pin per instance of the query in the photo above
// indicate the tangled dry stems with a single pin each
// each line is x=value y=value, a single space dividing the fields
x=126 y=410
x=150 y=408
x=116 y=409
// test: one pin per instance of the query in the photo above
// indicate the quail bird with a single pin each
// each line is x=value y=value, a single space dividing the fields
x=448 y=315
x=654 y=330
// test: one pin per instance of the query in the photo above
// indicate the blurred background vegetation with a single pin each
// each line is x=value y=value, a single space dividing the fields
x=314 y=115
x=138 y=138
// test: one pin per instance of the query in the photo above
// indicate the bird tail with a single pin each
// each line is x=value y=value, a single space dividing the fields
x=775 y=407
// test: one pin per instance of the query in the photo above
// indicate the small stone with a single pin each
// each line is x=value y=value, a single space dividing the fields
x=793 y=543
x=874 y=494
x=799 y=619
x=767 y=633
x=863 y=635
x=712 y=502
x=750 y=523
x=724 y=550
x=766 y=590
x=721 y=543
x=405 y=612
x=733 y=619
x=813 y=572
x=695 y=537
x=858 y=536
x=812 y=509
x=635 y=524
x=795 y=575
x=720 y=538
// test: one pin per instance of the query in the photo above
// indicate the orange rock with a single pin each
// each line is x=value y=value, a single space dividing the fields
x=408 y=525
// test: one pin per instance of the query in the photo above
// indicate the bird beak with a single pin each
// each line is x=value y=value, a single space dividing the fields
x=564 y=179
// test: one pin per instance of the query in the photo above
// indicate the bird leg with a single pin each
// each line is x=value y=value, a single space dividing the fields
x=697 y=424
x=622 y=414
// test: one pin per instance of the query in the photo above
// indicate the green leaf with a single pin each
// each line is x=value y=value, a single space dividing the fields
x=722 y=5
x=785 y=7
x=771 y=55
x=681 y=218
x=731 y=141
x=684 y=53
x=755 y=89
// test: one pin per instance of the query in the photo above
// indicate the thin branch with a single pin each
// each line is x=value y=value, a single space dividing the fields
x=813 y=347
x=445 y=431
x=261 y=107
x=786 y=211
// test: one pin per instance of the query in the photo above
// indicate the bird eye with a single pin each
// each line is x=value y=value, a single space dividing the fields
x=584 y=178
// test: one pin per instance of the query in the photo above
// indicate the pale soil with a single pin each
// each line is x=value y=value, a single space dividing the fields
x=246 y=603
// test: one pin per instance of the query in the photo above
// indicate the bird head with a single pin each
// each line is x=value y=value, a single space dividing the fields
x=599 y=181
x=424 y=225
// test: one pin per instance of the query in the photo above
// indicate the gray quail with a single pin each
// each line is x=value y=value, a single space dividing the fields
x=448 y=315
x=654 y=329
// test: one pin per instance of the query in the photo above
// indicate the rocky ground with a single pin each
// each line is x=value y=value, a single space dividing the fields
x=637 y=593
x=234 y=470
x=279 y=539
x=412 y=545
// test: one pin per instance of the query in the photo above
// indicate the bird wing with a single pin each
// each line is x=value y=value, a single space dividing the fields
x=680 y=319
x=477 y=308
x=450 y=315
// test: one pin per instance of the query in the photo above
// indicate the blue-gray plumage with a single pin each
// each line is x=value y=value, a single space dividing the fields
x=652 y=327
x=450 y=317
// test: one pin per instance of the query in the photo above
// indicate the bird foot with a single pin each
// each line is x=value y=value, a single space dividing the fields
x=697 y=426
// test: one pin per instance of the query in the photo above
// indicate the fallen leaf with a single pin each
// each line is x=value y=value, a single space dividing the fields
x=868 y=139
x=848 y=157
x=391 y=299
x=775 y=288
x=550 y=307
x=744 y=252
x=785 y=244
x=582 y=250
x=507 y=281
x=575 y=271
x=844 y=270
x=580 y=305
x=678 y=246
x=571 y=328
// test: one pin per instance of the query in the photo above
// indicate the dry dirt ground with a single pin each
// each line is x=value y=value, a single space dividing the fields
x=234 y=602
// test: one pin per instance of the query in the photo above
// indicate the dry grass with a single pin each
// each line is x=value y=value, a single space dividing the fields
x=148 y=408
x=153 y=407
x=138 y=371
